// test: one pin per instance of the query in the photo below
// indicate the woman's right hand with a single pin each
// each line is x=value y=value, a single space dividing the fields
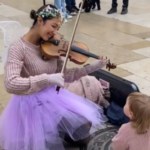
x=56 y=79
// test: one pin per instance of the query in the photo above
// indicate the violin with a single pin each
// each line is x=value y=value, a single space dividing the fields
x=71 y=48
x=78 y=54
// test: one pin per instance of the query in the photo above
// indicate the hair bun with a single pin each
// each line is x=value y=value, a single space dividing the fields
x=33 y=14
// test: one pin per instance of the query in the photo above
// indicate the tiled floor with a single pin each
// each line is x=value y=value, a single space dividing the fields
x=125 y=39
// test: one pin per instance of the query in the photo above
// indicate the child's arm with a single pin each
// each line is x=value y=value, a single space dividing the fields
x=119 y=142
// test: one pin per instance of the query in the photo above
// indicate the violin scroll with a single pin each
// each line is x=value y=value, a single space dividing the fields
x=110 y=65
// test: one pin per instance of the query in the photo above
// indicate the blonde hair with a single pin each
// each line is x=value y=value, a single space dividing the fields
x=139 y=105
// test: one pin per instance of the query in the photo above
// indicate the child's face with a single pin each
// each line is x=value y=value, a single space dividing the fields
x=127 y=110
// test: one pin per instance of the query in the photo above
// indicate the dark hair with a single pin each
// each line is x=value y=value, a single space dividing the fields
x=34 y=14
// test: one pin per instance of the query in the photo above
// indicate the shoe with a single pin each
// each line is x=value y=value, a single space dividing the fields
x=99 y=8
x=112 y=10
x=69 y=16
x=73 y=13
x=124 y=11
x=93 y=7
x=82 y=10
x=84 y=129
x=65 y=20
x=75 y=7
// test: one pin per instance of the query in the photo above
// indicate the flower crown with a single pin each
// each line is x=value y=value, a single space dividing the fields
x=49 y=12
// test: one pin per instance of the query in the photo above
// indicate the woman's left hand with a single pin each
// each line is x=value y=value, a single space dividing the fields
x=103 y=60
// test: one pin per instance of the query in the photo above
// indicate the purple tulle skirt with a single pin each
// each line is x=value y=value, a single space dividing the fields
x=35 y=121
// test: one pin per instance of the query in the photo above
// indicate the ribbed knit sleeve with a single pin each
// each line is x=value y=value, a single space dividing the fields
x=76 y=73
x=26 y=72
x=16 y=84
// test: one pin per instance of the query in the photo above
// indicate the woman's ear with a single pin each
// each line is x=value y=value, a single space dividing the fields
x=39 y=20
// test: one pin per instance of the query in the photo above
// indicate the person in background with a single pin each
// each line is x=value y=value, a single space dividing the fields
x=71 y=7
x=38 y=116
x=134 y=135
x=61 y=6
x=114 y=7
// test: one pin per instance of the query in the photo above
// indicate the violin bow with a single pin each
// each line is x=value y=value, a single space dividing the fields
x=44 y=2
x=71 y=41
x=72 y=37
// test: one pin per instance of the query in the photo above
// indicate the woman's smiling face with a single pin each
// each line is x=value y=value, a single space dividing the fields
x=48 y=28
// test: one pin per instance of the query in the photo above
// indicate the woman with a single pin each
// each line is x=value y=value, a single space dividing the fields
x=37 y=117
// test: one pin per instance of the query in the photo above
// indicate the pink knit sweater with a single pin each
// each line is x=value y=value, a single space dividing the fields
x=26 y=72
x=128 y=139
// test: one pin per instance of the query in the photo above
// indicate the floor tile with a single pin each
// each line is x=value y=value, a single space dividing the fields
x=139 y=68
x=5 y=11
x=143 y=51
x=143 y=84
x=148 y=39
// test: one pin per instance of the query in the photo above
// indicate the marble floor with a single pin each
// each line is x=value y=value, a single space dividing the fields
x=125 y=39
